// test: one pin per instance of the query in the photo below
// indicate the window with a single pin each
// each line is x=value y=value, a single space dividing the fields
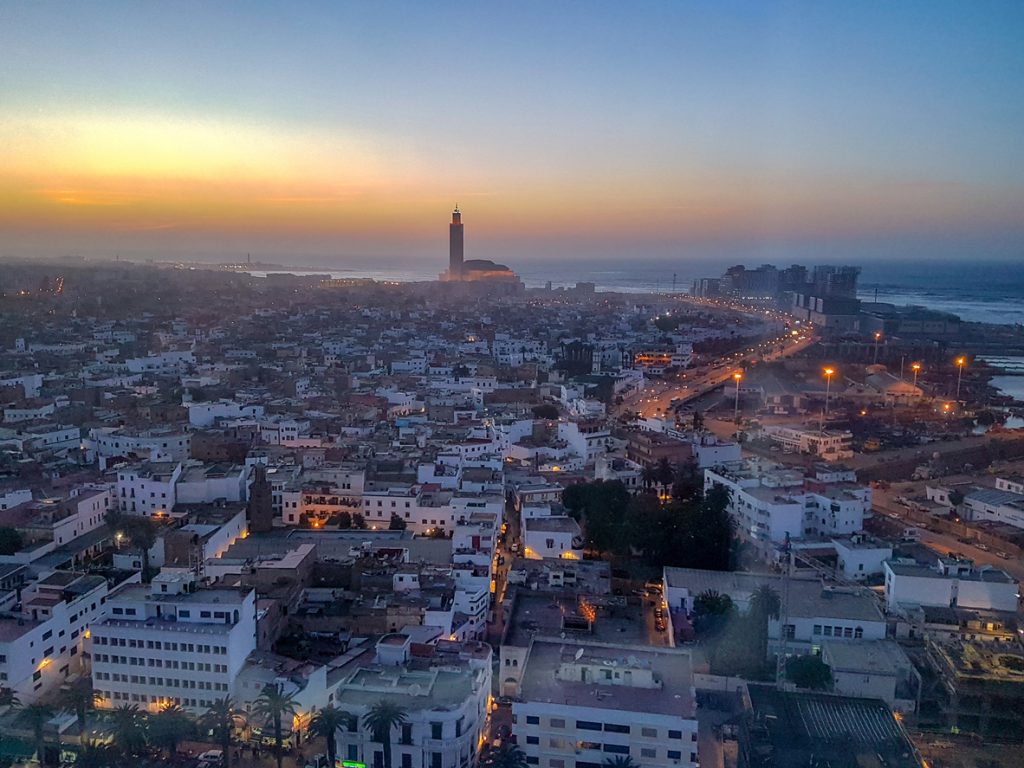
x=436 y=730
x=675 y=734
x=615 y=728
x=532 y=720
x=617 y=749
x=557 y=722
x=649 y=733
x=587 y=725
x=533 y=740
x=648 y=753
x=675 y=754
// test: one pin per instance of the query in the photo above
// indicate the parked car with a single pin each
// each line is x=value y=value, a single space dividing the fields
x=1003 y=555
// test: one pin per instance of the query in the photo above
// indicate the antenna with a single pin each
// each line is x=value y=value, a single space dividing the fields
x=579 y=654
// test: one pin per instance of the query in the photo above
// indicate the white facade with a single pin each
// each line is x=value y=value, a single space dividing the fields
x=171 y=643
x=206 y=414
x=579 y=705
x=829 y=445
x=951 y=583
x=147 y=488
x=172 y=445
x=552 y=536
x=860 y=556
x=41 y=646
x=445 y=704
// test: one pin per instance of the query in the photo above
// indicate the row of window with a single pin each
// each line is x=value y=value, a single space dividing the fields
x=139 y=661
x=591 y=725
x=170 y=682
x=829 y=630
x=161 y=645
x=143 y=698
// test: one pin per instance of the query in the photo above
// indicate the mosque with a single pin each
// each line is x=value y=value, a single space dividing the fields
x=474 y=270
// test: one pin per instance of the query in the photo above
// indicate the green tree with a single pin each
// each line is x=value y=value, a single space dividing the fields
x=764 y=605
x=688 y=483
x=712 y=611
x=508 y=755
x=169 y=727
x=664 y=472
x=649 y=476
x=222 y=717
x=326 y=723
x=397 y=523
x=809 y=672
x=344 y=519
x=545 y=411
x=619 y=761
x=94 y=754
x=956 y=498
x=380 y=720
x=358 y=521
x=272 y=705
x=35 y=717
x=141 y=532
x=128 y=725
x=79 y=697
x=11 y=541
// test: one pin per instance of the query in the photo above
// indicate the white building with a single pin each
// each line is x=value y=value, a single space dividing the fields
x=206 y=414
x=149 y=487
x=203 y=484
x=580 y=704
x=41 y=645
x=860 y=556
x=949 y=583
x=166 y=443
x=771 y=504
x=552 y=536
x=171 y=642
x=444 y=696
x=877 y=669
x=829 y=445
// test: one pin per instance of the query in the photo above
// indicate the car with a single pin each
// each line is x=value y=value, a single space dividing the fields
x=983 y=547
x=1003 y=555
x=212 y=756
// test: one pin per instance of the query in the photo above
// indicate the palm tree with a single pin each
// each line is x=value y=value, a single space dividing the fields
x=8 y=699
x=508 y=755
x=169 y=727
x=222 y=718
x=36 y=716
x=79 y=698
x=273 y=703
x=326 y=723
x=664 y=472
x=620 y=761
x=94 y=754
x=129 y=729
x=649 y=476
x=764 y=605
x=382 y=717
x=141 y=531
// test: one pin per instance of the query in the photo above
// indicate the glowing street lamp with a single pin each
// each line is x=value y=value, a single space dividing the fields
x=878 y=338
x=915 y=367
x=737 y=377
x=960 y=363
x=829 y=372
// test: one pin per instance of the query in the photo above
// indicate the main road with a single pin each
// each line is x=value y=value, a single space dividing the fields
x=657 y=397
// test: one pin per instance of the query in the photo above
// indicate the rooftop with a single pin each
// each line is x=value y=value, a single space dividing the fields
x=671 y=668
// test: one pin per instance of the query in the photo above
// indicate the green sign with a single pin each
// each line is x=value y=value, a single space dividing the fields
x=352 y=764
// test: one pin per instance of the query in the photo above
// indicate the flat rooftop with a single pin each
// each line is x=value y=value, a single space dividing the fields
x=541 y=615
x=797 y=728
x=672 y=669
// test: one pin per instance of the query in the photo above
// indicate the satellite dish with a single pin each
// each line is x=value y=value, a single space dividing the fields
x=579 y=654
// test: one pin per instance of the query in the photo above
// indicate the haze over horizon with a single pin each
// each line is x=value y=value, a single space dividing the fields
x=313 y=133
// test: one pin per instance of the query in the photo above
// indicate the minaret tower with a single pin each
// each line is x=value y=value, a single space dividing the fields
x=455 y=245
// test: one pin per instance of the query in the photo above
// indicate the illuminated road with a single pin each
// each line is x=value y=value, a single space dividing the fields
x=656 y=398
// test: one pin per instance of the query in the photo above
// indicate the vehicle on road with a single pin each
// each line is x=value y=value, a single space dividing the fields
x=1002 y=555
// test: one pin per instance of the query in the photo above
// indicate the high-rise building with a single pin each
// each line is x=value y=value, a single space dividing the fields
x=455 y=244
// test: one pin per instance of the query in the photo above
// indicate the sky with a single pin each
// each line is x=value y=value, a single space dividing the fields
x=345 y=132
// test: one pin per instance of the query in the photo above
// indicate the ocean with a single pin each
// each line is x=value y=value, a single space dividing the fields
x=982 y=292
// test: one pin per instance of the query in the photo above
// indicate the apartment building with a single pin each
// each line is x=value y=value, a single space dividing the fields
x=443 y=689
x=172 y=642
x=582 y=703
x=41 y=645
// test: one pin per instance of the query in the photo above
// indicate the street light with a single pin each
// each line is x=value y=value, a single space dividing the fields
x=737 y=377
x=915 y=367
x=828 y=386
x=960 y=363
x=878 y=338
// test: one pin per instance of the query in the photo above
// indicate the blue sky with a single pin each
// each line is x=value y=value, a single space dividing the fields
x=348 y=130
